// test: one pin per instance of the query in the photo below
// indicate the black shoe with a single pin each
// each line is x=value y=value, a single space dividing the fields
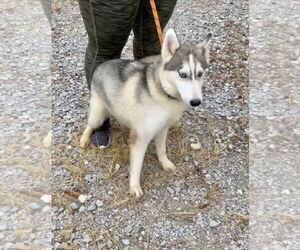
x=100 y=137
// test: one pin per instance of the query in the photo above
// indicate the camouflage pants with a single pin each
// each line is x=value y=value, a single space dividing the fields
x=109 y=22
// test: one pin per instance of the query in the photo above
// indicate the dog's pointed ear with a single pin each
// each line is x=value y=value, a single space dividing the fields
x=206 y=42
x=170 y=44
x=205 y=46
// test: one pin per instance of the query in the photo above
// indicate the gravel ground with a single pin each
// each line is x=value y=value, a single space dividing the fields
x=25 y=53
x=274 y=124
x=205 y=204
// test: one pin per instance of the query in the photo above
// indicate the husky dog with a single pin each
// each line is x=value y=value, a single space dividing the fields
x=148 y=97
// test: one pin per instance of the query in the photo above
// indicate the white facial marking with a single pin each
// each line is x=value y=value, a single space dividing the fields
x=192 y=66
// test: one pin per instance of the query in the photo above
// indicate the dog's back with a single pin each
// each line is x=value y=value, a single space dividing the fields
x=122 y=86
x=110 y=78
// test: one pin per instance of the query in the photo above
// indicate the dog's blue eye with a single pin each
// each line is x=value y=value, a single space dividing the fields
x=182 y=75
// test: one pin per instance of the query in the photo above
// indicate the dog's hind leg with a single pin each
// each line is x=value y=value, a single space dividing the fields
x=97 y=115
x=138 y=146
x=160 y=143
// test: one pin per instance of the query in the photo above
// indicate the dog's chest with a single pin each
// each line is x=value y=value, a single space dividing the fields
x=156 y=119
x=166 y=115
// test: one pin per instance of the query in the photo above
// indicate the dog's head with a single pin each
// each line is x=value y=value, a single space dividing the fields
x=184 y=67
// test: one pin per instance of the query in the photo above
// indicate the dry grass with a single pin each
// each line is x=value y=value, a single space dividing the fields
x=19 y=199
x=114 y=163
x=291 y=217
x=8 y=198
x=191 y=213
x=33 y=160
x=67 y=246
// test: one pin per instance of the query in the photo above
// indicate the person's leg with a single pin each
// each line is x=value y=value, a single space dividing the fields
x=108 y=24
x=146 y=41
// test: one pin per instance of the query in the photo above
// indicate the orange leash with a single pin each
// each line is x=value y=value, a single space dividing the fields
x=156 y=20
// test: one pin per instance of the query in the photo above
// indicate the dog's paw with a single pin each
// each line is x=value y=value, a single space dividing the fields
x=136 y=191
x=84 y=141
x=169 y=166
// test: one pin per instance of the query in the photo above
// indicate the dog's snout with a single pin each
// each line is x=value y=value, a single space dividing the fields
x=195 y=102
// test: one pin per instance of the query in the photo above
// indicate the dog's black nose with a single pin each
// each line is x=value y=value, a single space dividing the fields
x=195 y=102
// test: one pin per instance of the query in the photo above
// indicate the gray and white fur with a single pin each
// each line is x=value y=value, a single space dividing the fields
x=148 y=96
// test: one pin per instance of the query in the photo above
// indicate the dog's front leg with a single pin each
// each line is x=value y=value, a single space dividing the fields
x=160 y=143
x=138 y=146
